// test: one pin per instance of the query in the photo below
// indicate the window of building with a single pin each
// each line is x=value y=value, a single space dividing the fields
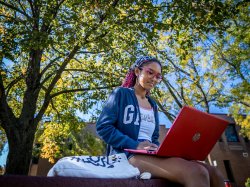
x=229 y=170
x=231 y=133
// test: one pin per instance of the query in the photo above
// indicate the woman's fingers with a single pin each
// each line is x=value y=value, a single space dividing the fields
x=147 y=145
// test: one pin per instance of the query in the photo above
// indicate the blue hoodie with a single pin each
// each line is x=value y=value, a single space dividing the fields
x=119 y=122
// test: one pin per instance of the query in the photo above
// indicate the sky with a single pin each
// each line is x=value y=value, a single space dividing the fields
x=3 y=157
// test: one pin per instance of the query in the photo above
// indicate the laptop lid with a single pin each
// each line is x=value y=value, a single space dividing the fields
x=192 y=135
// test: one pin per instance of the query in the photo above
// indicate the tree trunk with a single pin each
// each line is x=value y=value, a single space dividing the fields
x=21 y=131
x=20 y=150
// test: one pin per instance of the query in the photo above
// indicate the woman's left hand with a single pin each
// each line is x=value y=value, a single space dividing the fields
x=146 y=145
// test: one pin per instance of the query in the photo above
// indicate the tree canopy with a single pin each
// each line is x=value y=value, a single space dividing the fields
x=61 y=57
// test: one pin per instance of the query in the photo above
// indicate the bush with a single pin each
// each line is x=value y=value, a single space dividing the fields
x=247 y=184
x=2 y=170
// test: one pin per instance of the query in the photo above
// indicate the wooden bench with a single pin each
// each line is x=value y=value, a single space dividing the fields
x=40 y=181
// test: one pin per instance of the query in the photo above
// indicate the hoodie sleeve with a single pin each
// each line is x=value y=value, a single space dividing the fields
x=106 y=125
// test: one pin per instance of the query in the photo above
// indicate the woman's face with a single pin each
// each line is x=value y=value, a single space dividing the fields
x=149 y=75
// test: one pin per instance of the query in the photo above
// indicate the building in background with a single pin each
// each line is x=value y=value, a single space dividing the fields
x=231 y=154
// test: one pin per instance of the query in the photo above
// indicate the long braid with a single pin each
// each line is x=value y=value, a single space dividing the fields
x=129 y=80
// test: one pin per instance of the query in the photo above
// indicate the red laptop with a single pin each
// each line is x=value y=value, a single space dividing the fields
x=192 y=135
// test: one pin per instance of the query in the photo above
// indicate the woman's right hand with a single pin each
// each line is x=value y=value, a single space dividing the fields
x=146 y=145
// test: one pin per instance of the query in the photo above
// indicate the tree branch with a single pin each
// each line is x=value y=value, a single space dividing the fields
x=53 y=83
x=19 y=2
x=234 y=66
x=199 y=86
x=49 y=65
x=14 y=8
x=31 y=7
x=82 y=89
x=223 y=57
x=12 y=83
x=170 y=116
x=62 y=68
x=174 y=65
x=182 y=94
x=91 y=52
x=172 y=93
x=46 y=78
x=7 y=117
x=103 y=16
x=47 y=28
x=83 y=70
x=244 y=103
x=53 y=106
x=173 y=89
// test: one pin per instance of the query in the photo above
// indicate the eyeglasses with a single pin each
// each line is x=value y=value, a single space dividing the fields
x=151 y=74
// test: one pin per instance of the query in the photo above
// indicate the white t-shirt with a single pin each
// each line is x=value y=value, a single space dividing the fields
x=147 y=124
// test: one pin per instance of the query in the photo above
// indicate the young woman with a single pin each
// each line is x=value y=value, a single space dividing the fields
x=130 y=120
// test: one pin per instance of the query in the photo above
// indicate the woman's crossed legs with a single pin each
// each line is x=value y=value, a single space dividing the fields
x=187 y=173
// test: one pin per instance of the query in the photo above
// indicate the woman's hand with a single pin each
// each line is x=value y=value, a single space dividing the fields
x=147 y=146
